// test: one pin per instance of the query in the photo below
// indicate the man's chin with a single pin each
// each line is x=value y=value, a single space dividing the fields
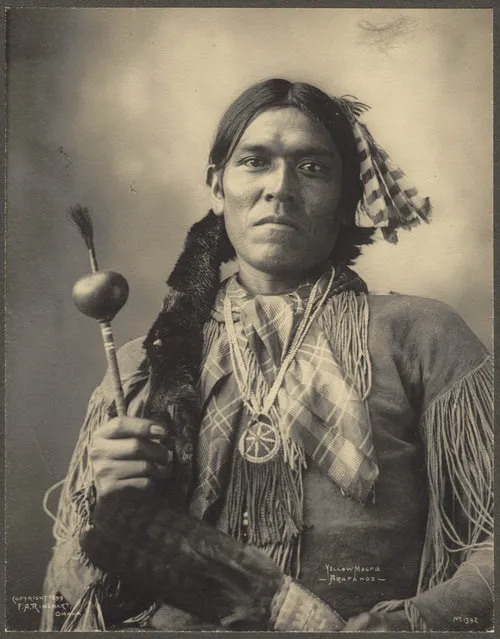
x=282 y=263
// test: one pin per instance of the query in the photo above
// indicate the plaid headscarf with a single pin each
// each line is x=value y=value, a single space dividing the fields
x=318 y=405
x=389 y=200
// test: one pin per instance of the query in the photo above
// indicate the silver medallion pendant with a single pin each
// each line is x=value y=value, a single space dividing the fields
x=261 y=440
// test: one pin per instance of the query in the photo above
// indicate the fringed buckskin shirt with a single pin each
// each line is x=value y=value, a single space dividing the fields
x=421 y=387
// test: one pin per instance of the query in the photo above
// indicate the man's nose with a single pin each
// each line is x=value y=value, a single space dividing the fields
x=280 y=183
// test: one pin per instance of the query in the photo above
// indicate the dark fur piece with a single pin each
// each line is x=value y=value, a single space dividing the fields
x=174 y=338
x=196 y=272
x=160 y=550
x=175 y=341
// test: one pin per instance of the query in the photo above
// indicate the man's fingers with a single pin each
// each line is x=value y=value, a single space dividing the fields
x=359 y=622
x=117 y=475
x=130 y=469
x=120 y=470
x=123 y=427
x=121 y=487
x=375 y=622
x=131 y=448
x=125 y=452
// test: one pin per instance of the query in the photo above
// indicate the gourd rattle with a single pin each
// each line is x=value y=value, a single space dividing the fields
x=100 y=295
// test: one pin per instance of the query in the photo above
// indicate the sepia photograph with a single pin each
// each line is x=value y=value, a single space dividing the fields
x=249 y=319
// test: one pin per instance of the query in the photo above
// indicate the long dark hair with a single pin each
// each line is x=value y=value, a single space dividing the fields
x=318 y=106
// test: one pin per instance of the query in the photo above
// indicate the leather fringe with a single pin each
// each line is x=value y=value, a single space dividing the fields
x=271 y=496
x=457 y=429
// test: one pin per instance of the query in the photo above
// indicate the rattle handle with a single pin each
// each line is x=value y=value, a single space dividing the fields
x=109 y=347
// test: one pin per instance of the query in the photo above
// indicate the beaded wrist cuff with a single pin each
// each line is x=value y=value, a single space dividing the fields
x=295 y=608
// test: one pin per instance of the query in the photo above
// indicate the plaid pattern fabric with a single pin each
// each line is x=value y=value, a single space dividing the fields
x=389 y=201
x=318 y=406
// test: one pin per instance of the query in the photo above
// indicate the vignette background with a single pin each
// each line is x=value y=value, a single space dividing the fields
x=116 y=109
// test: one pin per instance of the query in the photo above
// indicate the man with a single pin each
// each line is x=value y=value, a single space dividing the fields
x=348 y=436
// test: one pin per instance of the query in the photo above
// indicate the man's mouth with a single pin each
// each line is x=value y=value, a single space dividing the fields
x=279 y=220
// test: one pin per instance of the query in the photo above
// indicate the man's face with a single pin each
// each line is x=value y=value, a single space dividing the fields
x=279 y=193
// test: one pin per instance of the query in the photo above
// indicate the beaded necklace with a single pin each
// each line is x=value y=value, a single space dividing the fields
x=261 y=439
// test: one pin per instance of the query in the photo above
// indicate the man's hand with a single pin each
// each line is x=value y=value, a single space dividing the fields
x=378 y=622
x=126 y=453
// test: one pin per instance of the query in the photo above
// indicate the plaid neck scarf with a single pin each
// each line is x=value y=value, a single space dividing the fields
x=318 y=407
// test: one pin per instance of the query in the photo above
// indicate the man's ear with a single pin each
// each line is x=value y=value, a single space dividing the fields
x=214 y=182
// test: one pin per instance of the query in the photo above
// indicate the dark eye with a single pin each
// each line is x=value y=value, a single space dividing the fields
x=313 y=168
x=254 y=162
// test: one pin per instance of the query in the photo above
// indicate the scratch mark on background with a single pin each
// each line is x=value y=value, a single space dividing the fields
x=387 y=34
x=66 y=156
x=42 y=453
